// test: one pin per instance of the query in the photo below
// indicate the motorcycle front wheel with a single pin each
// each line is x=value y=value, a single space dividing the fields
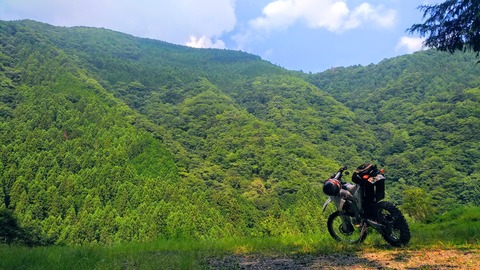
x=346 y=233
x=397 y=232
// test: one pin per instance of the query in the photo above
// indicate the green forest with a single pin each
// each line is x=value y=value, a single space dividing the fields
x=108 y=138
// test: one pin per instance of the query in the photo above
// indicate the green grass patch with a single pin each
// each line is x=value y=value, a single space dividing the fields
x=457 y=230
x=161 y=254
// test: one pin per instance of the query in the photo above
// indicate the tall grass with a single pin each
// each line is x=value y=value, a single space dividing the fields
x=456 y=229
x=160 y=254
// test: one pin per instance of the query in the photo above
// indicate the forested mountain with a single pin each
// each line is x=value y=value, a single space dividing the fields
x=425 y=109
x=107 y=137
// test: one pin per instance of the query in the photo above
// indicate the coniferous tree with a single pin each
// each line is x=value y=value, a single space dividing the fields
x=450 y=26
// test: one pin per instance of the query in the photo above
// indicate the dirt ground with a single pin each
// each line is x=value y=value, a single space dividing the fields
x=393 y=259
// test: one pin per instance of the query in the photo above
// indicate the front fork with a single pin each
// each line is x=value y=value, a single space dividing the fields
x=339 y=202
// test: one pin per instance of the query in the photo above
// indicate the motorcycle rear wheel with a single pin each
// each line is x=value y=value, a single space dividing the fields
x=354 y=235
x=397 y=233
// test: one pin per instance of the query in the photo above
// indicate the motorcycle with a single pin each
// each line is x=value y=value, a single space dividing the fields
x=359 y=206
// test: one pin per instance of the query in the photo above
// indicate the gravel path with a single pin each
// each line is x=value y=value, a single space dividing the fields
x=396 y=259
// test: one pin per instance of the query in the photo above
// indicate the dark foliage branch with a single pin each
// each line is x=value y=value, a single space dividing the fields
x=450 y=26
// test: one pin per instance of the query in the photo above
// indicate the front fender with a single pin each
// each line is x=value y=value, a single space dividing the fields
x=326 y=204
x=336 y=200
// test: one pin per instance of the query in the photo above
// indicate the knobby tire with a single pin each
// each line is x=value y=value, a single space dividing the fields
x=334 y=224
x=398 y=233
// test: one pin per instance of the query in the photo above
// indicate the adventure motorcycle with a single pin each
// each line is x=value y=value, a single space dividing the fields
x=359 y=207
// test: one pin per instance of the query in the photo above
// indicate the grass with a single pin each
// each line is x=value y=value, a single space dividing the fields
x=457 y=230
x=160 y=254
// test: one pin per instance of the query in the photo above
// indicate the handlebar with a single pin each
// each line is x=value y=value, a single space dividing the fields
x=339 y=173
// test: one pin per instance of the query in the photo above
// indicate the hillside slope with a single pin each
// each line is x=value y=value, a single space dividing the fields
x=425 y=108
x=107 y=137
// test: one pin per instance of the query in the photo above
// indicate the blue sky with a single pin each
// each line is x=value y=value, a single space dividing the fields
x=307 y=35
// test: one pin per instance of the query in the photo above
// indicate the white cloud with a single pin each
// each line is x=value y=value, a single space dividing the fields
x=410 y=44
x=278 y=14
x=333 y=15
x=169 y=20
x=205 y=42
x=366 y=13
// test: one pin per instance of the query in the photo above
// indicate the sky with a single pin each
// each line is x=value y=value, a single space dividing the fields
x=306 y=35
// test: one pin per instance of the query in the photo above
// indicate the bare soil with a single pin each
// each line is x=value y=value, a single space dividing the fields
x=391 y=259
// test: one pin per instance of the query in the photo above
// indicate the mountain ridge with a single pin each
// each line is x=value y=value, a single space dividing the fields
x=137 y=139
